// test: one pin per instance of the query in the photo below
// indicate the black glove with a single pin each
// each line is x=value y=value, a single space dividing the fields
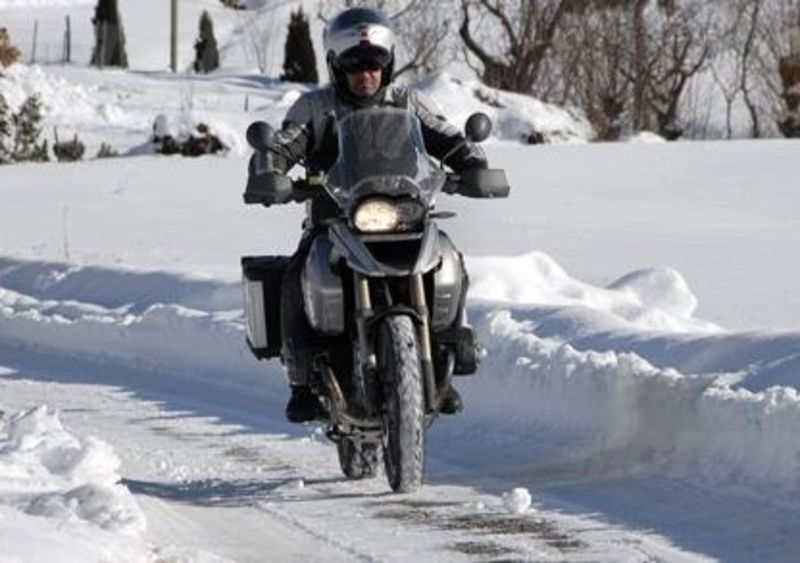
x=265 y=184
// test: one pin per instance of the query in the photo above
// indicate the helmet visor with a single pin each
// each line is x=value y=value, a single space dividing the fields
x=359 y=60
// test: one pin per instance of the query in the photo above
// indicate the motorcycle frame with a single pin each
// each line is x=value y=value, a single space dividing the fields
x=350 y=249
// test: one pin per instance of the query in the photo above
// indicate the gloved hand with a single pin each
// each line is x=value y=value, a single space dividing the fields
x=265 y=184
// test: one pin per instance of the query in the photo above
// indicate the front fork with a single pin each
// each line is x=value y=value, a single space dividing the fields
x=364 y=312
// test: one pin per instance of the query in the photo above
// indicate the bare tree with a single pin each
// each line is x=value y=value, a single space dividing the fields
x=778 y=63
x=640 y=77
x=746 y=54
x=671 y=43
x=511 y=40
x=585 y=66
x=259 y=33
x=627 y=63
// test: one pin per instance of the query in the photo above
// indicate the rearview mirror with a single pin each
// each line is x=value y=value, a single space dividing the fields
x=478 y=127
x=259 y=135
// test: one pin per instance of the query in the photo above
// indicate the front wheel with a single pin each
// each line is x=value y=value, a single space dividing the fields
x=404 y=448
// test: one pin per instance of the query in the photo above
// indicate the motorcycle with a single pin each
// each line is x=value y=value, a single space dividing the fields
x=383 y=287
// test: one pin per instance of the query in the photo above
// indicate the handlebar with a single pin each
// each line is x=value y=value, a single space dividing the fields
x=274 y=188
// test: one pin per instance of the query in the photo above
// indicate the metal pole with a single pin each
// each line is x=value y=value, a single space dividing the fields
x=35 y=40
x=174 y=37
x=68 y=54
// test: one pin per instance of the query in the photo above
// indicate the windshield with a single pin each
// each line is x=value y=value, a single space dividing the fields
x=381 y=152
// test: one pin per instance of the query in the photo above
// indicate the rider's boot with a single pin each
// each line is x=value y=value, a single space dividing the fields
x=303 y=405
x=451 y=402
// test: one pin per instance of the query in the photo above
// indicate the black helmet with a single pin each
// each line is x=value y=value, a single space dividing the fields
x=358 y=39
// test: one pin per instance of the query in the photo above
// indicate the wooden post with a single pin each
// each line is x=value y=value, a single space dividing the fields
x=174 y=37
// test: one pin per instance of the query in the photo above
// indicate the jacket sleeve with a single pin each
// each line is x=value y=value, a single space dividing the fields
x=291 y=143
x=441 y=137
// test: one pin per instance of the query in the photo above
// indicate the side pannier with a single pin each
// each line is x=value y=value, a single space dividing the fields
x=262 y=276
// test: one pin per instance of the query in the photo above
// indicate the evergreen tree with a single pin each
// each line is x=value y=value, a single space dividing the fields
x=5 y=131
x=109 y=47
x=27 y=124
x=300 y=62
x=206 y=56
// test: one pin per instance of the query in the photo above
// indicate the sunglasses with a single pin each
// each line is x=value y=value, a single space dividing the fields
x=361 y=64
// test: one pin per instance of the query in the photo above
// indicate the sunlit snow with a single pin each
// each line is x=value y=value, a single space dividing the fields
x=637 y=304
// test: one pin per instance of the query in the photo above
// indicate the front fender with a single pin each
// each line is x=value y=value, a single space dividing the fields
x=360 y=252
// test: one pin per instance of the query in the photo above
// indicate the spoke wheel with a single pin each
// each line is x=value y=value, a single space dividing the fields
x=404 y=447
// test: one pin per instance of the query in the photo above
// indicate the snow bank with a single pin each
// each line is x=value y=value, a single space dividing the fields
x=656 y=298
x=546 y=391
x=65 y=102
x=147 y=319
x=515 y=116
x=47 y=471
x=541 y=403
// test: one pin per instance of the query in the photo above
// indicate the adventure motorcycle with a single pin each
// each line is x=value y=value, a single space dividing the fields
x=383 y=288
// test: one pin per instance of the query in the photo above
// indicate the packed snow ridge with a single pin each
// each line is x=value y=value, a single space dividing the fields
x=46 y=471
x=541 y=394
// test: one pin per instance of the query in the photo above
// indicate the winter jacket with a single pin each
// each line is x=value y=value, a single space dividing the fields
x=309 y=133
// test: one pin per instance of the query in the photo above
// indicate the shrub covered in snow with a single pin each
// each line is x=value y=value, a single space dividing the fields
x=68 y=151
x=5 y=130
x=194 y=141
x=20 y=132
x=106 y=151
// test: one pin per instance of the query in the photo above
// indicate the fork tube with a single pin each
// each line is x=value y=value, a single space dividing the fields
x=363 y=312
x=419 y=303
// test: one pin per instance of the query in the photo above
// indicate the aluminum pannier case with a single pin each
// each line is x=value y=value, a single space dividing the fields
x=261 y=277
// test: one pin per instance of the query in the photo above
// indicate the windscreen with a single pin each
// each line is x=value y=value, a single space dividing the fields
x=381 y=151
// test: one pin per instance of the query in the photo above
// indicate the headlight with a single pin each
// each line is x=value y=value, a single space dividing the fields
x=376 y=215
x=384 y=215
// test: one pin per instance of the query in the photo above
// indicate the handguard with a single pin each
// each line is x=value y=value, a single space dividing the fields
x=268 y=189
x=483 y=183
x=265 y=186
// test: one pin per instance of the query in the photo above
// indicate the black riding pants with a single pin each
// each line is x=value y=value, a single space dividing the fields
x=296 y=333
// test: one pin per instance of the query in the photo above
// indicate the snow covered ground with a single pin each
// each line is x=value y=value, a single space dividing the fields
x=638 y=303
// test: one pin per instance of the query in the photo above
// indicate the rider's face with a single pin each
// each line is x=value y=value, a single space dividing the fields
x=364 y=83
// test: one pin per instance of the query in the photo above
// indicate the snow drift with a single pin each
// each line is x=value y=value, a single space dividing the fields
x=542 y=395
x=47 y=471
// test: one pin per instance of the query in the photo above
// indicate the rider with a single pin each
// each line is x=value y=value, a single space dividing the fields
x=359 y=43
